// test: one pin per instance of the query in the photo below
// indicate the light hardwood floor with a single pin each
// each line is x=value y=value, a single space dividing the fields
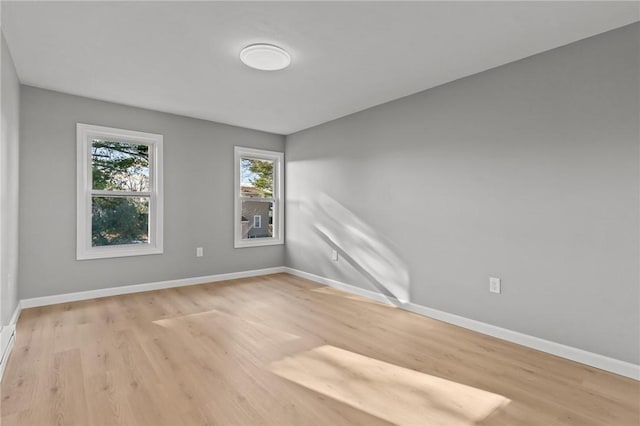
x=281 y=350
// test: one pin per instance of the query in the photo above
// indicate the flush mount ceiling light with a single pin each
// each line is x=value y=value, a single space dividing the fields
x=265 y=57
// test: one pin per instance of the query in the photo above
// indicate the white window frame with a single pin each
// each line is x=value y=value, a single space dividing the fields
x=86 y=133
x=259 y=220
x=277 y=199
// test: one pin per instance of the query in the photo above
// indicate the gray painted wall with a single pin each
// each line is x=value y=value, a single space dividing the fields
x=528 y=172
x=9 y=150
x=198 y=197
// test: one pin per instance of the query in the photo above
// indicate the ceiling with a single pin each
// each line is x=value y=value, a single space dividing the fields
x=182 y=57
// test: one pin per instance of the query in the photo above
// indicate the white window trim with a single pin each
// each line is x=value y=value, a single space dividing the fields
x=278 y=197
x=259 y=220
x=84 y=250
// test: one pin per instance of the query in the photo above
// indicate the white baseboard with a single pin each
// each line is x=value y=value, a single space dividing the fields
x=8 y=339
x=6 y=354
x=138 y=288
x=602 y=362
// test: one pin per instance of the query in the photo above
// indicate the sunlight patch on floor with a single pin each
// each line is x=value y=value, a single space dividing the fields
x=166 y=322
x=396 y=394
x=214 y=318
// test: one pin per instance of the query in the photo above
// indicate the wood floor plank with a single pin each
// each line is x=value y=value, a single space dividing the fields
x=281 y=350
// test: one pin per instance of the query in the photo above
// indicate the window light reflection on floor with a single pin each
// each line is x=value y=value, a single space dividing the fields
x=396 y=394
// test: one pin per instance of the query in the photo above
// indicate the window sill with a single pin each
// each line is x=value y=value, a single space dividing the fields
x=105 y=253
x=249 y=243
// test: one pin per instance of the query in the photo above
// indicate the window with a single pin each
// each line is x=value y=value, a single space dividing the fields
x=259 y=218
x=119 y=201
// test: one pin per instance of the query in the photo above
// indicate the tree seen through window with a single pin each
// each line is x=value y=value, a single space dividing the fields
x=120 y=211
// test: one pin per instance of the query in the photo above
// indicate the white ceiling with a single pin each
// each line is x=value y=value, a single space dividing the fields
x=182 y=57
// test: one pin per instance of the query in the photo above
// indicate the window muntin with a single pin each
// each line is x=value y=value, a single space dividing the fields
x=258 y=187
x=119 y=192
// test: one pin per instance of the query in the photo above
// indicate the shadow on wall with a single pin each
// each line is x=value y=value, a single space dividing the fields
x=361 y=246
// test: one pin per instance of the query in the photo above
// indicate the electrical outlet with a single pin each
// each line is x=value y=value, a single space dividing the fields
x=494 y=285
x=199 y=251
x=334 y=255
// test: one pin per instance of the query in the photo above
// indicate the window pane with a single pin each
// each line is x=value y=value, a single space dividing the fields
x=256 y=178
x=119 y=166
x=257 y=219
x=119 y=220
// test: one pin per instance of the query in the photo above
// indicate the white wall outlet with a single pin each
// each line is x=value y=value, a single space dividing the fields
x=334 y=255
x=199 y=251
x=494 y=285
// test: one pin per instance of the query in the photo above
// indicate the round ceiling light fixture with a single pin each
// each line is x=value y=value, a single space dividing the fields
x=265 y=57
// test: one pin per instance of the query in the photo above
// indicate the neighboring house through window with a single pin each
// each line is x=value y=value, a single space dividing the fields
x=259 y=218
x=119 y=200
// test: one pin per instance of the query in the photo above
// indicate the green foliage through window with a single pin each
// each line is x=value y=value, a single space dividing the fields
x=259 y=174
x=118 y=166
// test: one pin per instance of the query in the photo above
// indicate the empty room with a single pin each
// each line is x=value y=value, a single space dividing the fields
x=328 y=213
